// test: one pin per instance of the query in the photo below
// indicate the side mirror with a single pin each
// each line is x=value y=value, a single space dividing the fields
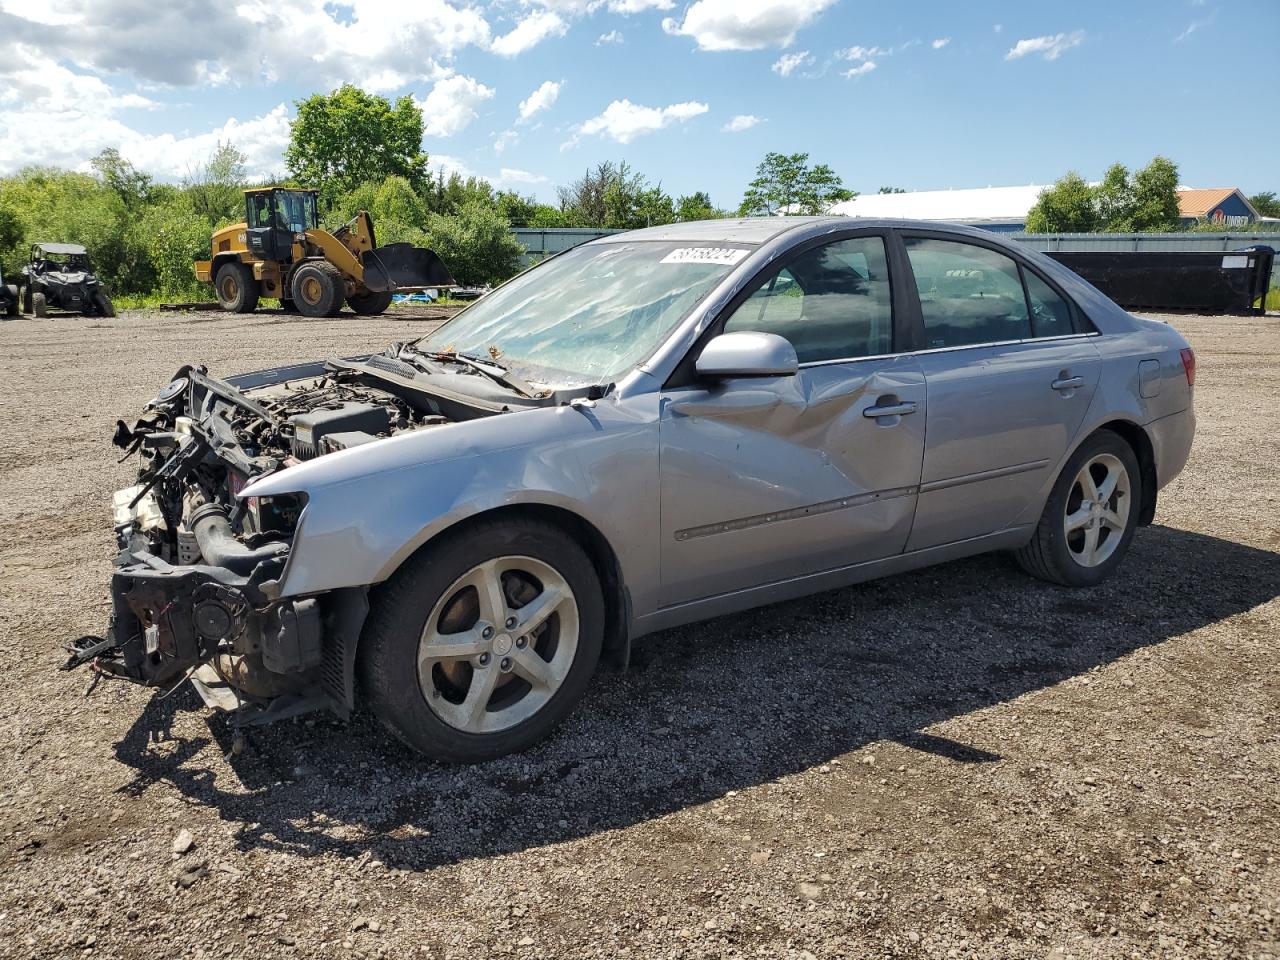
x=747 y=354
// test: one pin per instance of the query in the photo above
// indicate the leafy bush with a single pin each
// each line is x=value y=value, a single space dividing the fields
x=476 y=245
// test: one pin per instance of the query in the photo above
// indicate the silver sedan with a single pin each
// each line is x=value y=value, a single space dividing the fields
x=654 y=428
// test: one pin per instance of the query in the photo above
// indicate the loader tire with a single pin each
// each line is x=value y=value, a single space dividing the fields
x=39 y=307
x=318 y=289
x=237 y=290
x=370 y=303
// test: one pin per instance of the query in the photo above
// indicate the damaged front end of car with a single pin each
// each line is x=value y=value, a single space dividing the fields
x=196 y=592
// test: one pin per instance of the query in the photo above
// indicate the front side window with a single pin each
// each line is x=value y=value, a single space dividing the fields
x=968 y=294
x=259 y=210
x=831 y=302
x=592 y=313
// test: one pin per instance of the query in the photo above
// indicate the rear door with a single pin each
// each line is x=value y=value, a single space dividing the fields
x=769 y=479
x=1010 y=374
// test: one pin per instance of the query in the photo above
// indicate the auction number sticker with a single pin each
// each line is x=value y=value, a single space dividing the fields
x=726 y=256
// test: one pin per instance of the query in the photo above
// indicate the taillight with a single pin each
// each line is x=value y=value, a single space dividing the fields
x=1189 y=365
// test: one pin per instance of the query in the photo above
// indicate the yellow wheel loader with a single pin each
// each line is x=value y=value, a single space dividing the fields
x=281 y=252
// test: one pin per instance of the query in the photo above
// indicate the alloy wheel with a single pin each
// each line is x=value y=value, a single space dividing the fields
x=498 y=644
x=1097 y=510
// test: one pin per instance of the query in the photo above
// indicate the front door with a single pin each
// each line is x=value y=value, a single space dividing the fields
x=765 y=480
x=1010 y=378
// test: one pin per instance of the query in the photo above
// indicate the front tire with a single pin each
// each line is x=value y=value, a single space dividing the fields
x=39 y=306
x=102 y=303
x=483 y=642
x=237 y=290
x=317 y=289
x=1090 y=517
x=370 y=303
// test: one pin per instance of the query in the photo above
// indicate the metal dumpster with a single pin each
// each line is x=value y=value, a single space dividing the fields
x=1233 y=282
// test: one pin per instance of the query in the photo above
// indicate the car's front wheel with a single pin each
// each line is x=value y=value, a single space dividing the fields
x=1089 y=519
x=484 y=641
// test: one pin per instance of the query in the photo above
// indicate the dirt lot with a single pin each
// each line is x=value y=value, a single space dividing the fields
x=952 y=763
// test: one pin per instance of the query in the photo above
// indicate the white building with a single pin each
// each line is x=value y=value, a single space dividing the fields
x=1002 y=209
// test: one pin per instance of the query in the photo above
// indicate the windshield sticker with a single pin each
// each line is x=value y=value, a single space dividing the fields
x=727 y=256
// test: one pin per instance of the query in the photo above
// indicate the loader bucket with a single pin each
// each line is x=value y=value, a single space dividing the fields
x=402 y=266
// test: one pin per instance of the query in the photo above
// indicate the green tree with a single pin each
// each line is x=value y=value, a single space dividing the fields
x=339 y=140
x=215 y=188
x=1267 y=204
x=696 y=206
x=785 y=183
x=175 y=236
x=1114 y=200
x=1155 y=197
x=475 y=243
x=448 y=195
x=399 y=214
x=1069 y=206
x=132 y=186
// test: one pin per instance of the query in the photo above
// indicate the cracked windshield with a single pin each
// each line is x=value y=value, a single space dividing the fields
x=592 y=312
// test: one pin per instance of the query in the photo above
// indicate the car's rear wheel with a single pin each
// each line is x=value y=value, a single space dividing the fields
x=1090 y=517
x=237 y=291
x=484 y=641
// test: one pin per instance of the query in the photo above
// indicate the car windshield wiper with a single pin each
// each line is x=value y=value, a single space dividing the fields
x=495 y=372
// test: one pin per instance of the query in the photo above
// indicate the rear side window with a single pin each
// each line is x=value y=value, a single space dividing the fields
x=968 y=294
x=831 y=302
x=1050 y=315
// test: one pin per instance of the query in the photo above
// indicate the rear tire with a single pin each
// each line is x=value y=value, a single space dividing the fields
x=1090 y=517
x=369 y=303
x=317 y=289
x=39 y=306
x=237 y=290
x=288 y=306
x=435 y=679
x=11 y=309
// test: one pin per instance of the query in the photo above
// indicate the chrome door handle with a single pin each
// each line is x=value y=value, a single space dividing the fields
x=1068 y=383
x=892 y=410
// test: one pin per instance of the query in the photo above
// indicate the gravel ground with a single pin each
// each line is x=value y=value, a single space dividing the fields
x=956 y=762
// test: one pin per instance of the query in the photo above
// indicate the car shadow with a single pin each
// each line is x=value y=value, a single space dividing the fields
x=709 y=708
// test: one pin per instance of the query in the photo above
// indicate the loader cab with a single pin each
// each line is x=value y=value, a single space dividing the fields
x=274 y=217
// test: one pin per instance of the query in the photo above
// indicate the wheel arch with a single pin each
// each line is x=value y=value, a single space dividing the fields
x=617 y=599
x=1133 y=434
x=221 y=260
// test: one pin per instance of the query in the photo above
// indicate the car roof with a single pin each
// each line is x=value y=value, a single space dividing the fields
x=67 y=248
x=762 y=229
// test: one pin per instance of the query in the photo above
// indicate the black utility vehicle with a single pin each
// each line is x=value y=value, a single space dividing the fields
x=60 y=275
x=8 y=300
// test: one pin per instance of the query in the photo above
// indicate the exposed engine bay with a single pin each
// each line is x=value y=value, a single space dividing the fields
x=196 y=589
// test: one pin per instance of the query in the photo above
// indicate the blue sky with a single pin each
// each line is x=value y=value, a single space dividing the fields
x=529 y=93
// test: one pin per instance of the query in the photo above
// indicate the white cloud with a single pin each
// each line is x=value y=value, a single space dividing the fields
x=743 y=121
x=1050 y=46
x=507 y=176
x=541 y=99
x=861 y=70
x=613 y=36
x=451 y=104
x=862 y=53
x=50 y=114
x=250 y=41
x=639 y=6
x=745 y=24
x=623 y=120
x=529 y=32
x=940 y=43
x=507 y=138
x=788 y=63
